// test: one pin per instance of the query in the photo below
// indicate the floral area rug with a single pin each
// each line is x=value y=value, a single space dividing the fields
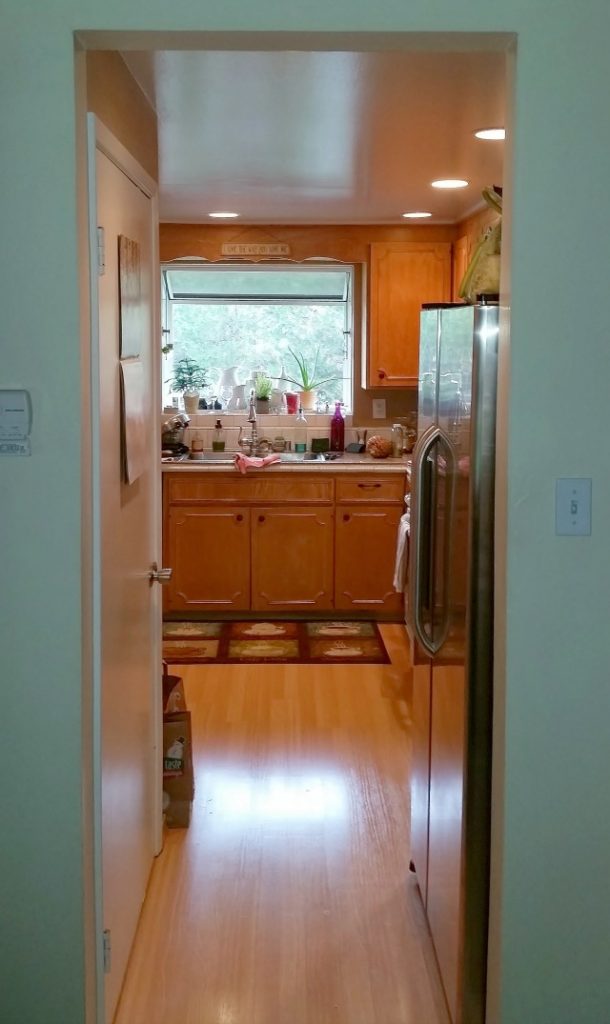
x=281 y=642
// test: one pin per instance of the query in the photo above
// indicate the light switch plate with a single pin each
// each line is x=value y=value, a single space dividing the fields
x=379 y=409
x=573 y=506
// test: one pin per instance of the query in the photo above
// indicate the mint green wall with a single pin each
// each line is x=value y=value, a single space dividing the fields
x=552 y=942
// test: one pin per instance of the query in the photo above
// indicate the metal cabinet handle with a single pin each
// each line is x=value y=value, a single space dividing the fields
x=346 y=517
x=384 y=375
x=157 y=575
x=261 y=519
x=239 y=518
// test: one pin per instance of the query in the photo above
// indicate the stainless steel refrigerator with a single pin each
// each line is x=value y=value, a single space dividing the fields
x=450 y=623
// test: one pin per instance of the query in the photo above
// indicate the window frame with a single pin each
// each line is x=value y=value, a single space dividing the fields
x=326 y=265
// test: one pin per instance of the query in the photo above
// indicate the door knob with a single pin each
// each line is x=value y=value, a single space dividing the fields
x=157 y=575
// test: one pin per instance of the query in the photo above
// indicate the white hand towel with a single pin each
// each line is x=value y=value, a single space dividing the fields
x=402 y=554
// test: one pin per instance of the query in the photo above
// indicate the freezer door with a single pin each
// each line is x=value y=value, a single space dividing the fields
x=429 y=327
x=455 y=361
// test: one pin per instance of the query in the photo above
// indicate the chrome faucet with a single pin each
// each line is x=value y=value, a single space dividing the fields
x=253 y=445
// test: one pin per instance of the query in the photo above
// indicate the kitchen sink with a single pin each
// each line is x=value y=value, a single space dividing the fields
x=301 y=457
x=222 y=457
x=227 y=458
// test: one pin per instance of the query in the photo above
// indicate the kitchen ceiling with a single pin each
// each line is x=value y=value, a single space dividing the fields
x=322 y=137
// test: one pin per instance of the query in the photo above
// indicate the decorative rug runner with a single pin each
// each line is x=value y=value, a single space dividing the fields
x=281 y=642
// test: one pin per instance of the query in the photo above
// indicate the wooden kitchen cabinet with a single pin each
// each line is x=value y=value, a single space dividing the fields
x=208 y=549
x=365 y=548
x=368 y=511
x=292 y=558
x=282 y=542
x=402 y=276
x=461 y=259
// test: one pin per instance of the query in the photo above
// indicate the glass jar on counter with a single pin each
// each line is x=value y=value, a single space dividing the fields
x=398 y=440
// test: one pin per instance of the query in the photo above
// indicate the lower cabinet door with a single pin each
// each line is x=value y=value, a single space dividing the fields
x=292 y=558
x=365 y=549
x=209 y=551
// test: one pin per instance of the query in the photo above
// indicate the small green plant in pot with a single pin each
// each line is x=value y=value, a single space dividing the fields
x=306 y=380
x=187 y=379
x=263 y=386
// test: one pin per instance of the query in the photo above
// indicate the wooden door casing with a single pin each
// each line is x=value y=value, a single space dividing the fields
x=292 y=558
x=208 y=548
x=365 y=547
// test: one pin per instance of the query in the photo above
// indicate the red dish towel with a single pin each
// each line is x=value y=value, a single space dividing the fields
x=245 y=462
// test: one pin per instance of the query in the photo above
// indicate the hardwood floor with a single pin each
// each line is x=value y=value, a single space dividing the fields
x=288 y=900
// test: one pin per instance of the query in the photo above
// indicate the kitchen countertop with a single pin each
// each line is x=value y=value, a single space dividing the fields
x=346 y=463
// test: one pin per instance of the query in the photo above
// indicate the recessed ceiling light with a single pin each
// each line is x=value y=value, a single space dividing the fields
x=491 y=133
x=449 y=183
x=417 y=213
x=223 y=213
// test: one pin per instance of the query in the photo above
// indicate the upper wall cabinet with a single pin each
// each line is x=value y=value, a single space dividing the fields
x=461 y=259
x=403 y=275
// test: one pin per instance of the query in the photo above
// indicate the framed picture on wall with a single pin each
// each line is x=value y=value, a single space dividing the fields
x=131 y=323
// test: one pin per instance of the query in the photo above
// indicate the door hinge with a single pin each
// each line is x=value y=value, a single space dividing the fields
x=107 y=950
x=101 y=252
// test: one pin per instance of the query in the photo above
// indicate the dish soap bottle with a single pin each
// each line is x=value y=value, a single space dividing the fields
x=300 y=432
x=218 y=438
x=337 y=430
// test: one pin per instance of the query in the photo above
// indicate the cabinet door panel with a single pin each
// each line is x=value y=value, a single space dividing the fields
x=365 y=549
x=209 y=551
x=461 y=257
x=403 y=275
x=292 y=558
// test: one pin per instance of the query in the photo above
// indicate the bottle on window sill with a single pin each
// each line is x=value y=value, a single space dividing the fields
x=337 y=430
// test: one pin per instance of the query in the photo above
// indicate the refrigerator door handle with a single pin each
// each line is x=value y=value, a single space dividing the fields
x=445 y=620
x=422 y=479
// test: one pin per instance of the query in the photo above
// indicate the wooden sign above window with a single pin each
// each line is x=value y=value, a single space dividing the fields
x=255 y=249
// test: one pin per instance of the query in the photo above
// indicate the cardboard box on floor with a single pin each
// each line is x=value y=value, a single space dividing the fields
x=178 y=777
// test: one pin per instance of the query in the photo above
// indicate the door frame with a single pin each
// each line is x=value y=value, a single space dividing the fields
x=100 y=138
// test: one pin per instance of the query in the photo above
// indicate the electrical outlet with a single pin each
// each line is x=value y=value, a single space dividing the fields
x=379 y=409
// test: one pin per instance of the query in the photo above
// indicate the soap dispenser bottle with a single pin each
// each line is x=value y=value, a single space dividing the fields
x=218 y=438
x=300 y=432
x=337 y=430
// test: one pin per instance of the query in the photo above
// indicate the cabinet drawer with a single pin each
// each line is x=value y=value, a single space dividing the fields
x=370 y=488
x=278 y=488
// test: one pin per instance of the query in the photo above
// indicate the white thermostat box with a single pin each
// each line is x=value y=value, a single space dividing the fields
x=15 y=422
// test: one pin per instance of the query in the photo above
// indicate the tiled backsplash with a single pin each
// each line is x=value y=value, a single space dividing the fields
x=269 y=427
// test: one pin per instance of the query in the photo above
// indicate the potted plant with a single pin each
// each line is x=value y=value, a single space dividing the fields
x=263 y=386
x=187 y=379
x=306 y=380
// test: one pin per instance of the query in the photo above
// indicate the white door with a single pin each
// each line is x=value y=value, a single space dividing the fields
x=127 y=529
